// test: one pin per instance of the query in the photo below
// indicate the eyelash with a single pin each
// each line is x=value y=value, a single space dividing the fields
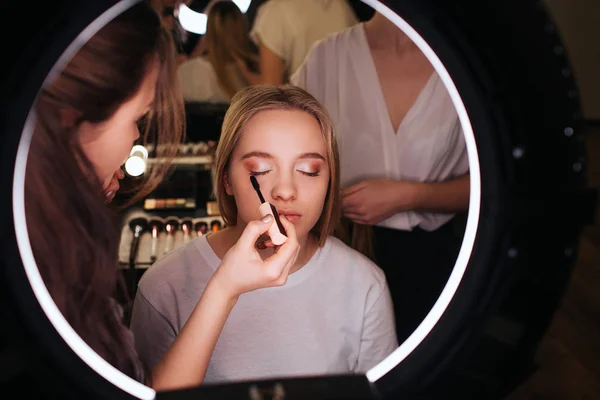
x=254 y=173
x=311 y=174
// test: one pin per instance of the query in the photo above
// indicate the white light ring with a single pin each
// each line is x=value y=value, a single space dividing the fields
x=191 y=20
x=195 y=22
x=68 y=334
x=451 y=286
x=141 y=391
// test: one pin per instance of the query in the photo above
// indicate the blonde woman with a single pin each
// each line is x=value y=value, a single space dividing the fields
x=334 y=314
x=214 y=76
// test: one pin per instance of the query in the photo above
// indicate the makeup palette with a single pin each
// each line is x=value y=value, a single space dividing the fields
x=169 y=204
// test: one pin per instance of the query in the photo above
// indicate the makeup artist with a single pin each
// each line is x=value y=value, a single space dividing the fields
x=390 y=107
x=87 y=122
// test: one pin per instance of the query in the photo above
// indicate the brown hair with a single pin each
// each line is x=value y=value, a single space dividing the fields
x=227 y=34
x=249 y=102
x=74 y=235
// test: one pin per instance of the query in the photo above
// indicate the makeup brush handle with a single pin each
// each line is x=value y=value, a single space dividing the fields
x=153 y=251
x=277 y=237
x=169 y=242
x=133 y=250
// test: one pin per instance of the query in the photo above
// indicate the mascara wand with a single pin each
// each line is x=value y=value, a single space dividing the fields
x=276 y=231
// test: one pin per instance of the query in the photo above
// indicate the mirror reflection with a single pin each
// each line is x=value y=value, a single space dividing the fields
x=185 y=156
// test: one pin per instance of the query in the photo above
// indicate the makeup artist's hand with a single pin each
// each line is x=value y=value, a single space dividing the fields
x=371 y=201
x=110 y=188
x=243 y=270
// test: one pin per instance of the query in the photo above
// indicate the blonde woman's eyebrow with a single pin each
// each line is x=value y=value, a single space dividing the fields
x=259 y=154
x=262 y=154
x=311 y=155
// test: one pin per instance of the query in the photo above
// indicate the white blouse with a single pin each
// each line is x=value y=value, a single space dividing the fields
x=199 y=82
x=290 y=27
x=428 y=146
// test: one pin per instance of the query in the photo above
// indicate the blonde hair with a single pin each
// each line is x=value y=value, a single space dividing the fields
x=246 y=104
x=227 y=35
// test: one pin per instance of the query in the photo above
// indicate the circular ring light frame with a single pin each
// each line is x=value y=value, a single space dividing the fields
x=436 y=329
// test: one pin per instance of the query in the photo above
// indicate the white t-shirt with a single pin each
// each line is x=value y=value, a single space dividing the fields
x=199 y=81
x=334 y=315
x=429 y=145
x=290 y=27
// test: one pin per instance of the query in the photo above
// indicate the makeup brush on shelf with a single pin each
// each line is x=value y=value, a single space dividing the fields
x=201 y=228
x=171 y=226
x=138 y=226
x=215 y=226
x=186 y=227
x=156 y=226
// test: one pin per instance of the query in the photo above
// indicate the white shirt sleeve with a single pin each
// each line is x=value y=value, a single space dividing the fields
x=271 y=29
x=152 y=332
x=378 y=339
x=198 y=82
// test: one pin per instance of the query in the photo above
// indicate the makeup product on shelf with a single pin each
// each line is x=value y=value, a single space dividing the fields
x=216 y=226
x=149 y=204
x=171 y=226
x=200 y=148
x=201 y=228
x=137 y=226
x=186 y=149
x=190 y=203
x=186 y=227
x=276 y=231
x=156 y=225
x=212 y=208
x=169 y=203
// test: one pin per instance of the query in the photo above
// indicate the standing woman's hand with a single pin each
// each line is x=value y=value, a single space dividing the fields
x=243 y=270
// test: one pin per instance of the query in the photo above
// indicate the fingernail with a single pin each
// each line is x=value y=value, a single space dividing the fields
x=266 y=218
x=108 y=195
x=121 y=174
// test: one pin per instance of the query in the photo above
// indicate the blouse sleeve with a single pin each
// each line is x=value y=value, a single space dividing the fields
x=152 y=331
x=272 y=30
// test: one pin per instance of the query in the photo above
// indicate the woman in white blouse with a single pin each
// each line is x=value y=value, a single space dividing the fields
x=285 y=30
x=403 y=157
x=214 y=76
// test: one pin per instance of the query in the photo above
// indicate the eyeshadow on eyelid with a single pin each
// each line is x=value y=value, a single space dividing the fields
x=309 y=166
x=254 y=165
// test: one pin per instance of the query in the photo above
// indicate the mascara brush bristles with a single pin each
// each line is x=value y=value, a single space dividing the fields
x=256 y=187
